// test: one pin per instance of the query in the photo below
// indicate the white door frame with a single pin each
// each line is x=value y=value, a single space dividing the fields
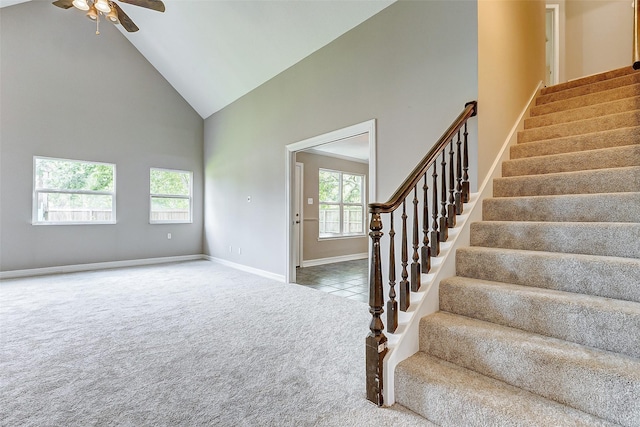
x=298 y=188
x=291 y=149
x=556 y=42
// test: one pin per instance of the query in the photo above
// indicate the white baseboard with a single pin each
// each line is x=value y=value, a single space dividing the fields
x=256 y=271
x=331 y=260
x=14 y=274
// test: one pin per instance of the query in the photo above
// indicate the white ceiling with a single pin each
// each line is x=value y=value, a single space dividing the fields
x=355 y=148
x=5 y=3
x=215 y=51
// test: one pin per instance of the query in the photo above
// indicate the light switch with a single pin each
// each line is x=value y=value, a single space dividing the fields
x=310 y=201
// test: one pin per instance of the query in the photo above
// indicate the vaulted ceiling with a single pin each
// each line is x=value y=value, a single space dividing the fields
x=215 y=51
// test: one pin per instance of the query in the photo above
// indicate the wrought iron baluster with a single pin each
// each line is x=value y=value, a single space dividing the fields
x=376 y=341
x=459 y=205
x=435 y=235
x=425 y=257
x=392 y=304
x=444 y=229
x=415 y=265
x=405 y=295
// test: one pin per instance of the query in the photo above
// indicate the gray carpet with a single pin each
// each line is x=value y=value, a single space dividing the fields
x=182 y=344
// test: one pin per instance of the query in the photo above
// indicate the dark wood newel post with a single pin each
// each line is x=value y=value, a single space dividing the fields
x=376 y=342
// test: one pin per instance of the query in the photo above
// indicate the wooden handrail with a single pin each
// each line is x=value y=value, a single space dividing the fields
x=636 y=35
x=470 y=110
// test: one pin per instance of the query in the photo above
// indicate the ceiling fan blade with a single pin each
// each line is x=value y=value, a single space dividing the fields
x=65 y=4
x=149 y=4
x=126 y=22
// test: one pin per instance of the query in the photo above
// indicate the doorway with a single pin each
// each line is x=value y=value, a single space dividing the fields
x=328 y=144
x=552 y=46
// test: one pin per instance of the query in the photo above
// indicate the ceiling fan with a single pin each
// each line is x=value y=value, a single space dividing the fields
x=111 y=10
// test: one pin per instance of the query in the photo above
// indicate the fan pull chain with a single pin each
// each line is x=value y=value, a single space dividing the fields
x=98 y=24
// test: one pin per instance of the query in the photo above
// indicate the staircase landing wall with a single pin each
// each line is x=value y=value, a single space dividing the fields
x=511 y=61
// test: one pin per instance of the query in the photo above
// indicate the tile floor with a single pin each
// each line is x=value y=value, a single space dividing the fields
x=348 y=279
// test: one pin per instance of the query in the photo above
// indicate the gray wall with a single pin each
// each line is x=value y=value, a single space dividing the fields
x=412 y=67
x=312 y=247
x=68 y=93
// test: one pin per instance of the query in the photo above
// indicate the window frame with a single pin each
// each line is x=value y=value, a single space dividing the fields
x=171 y=196
x=341 y=205
x=37 y=191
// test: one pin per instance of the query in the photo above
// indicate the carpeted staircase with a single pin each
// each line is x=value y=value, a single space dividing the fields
x=541 y=325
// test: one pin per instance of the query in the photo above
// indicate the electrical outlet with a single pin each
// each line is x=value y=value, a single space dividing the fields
x=169 y=236
x=230 y=249
x=239 y=251
x=248 y=199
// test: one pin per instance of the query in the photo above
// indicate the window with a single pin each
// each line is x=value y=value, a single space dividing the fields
x=170 y=196
x=73 y=192
x=341 y=204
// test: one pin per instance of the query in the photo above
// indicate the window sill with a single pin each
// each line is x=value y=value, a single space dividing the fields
x=350 y=236
x=73 y=223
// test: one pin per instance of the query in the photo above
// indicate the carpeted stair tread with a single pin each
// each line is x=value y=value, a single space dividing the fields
x=598 y=382
x=603 y=323
x=452 y=396
x=594 y=88
x=603 y=207
x=580 y=127
x=606 y=239
x=612 y=180
x=588 y=80
x=591 y=141
x=605 y=276
x=588 y=112
x=584 y=100
x=602 y=158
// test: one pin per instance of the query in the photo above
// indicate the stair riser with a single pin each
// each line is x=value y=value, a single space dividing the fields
x=564 y=372
x=571 y=144
x=588 y=80
x=615 y=157
x=620 y=207
x=608 y=277
x=602 y=239
x=615 y=107
x=617 y=180
x=591 y=321
x=452 y=396
x=583 y=101
x=609 y=122
x=594 y=88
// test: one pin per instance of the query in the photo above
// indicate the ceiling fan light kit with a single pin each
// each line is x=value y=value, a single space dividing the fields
x=113 y=16
x=93 y=13
x=111 y=10
x=102 y=6
x=81 y=4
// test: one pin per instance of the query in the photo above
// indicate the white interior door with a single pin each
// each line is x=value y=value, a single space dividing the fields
x=553 y=45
